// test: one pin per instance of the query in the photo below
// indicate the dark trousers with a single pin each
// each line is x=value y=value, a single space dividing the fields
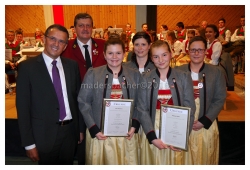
x=63 y=150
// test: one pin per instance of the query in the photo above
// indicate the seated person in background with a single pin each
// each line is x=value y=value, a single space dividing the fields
x=15 y=47
x=106 y=34
x=145 y=27
x=238 y=40
x=38 y=34
x=129 y=37
x=163 y=28
x=19 y=38
x=174 y=43
x=225 y=34
x=97 y=35
x=153 y=36
x=214 y=47
x=204 y=24
x=73 y=32
x=181 y=32
x=185 y=43
x=200 y=32
x=40 y=42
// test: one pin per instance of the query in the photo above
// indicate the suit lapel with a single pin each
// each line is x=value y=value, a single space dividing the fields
x=77 y=52
x=45 y=77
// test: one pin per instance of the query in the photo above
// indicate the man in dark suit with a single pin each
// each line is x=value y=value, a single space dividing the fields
x=88 y=52
x=47 y=87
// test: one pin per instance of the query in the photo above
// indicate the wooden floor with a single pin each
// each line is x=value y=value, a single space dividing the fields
x=235 y=107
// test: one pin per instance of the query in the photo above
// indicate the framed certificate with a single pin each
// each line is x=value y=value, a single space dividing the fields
x=174 y=126
x=116 y=119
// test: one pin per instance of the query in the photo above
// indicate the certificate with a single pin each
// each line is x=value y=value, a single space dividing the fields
x=116 y=119
x=174 y=126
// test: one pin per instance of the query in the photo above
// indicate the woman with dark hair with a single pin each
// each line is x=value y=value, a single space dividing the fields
x=163 y=28
x=140 y=59
x=200 y=32
x=214 y=47
x=111 y=81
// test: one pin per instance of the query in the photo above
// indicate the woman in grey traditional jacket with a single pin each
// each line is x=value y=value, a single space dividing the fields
x=164 y=85
x=210 y=93
x=140 y=59
x=111 y=81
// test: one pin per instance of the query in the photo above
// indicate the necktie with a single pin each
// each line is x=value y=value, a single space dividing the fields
x=58 y=88
x=87 y=57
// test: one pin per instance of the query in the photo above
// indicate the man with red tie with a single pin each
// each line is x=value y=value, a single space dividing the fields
x=88 y=52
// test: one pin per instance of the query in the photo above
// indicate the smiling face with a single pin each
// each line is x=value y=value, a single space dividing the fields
x=55 y=43
x=198 y=54
x=83 y=29
x=141 y=47
x=210 y=34
x=114 y=55
x=161 y=56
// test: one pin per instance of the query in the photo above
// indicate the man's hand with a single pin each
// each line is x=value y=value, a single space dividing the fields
x=33 y=154
x=81 y=138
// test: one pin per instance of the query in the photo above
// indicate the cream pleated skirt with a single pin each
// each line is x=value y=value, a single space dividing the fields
x=203 y=148
x=112 y=151
x=204 y=144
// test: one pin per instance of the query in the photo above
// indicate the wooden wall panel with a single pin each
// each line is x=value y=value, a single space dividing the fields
x=192 y=15
x=27 y=17
x=103 y=15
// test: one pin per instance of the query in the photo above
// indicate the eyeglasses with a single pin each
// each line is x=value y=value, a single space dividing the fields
x=54 y=40
x=200 y=51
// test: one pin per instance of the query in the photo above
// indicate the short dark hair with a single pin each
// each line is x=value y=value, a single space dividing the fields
x=82 y=16
x=59 y=27
x=114 y=41
x=144 y=24
x=198 y=38
x=214 y=27
x=71 y=26
x=180 y=24
x=222 y=19
x=165 y=27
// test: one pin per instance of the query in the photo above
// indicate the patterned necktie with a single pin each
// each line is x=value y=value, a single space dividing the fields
x=58 y=88
x=87 y=57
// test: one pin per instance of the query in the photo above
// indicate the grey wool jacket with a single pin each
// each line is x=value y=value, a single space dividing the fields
x=212 y=94
x=93 y=91
x=182 y=95
x=149 y=65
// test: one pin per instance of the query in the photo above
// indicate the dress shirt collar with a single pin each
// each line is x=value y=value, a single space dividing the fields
x=88 y=43
x=49 y=60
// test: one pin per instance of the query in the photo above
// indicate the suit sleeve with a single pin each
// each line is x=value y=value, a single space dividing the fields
x=23 y=106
